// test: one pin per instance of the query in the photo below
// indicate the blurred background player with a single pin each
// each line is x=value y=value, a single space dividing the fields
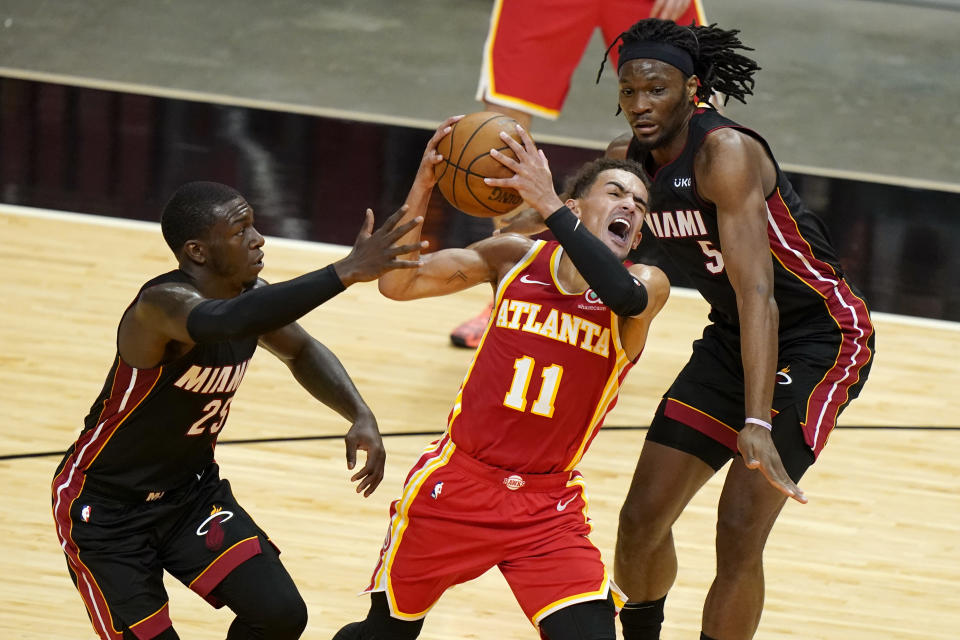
x=532 y=50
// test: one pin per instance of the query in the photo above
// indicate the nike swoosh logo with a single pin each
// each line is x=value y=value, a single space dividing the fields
x=528 y=280
x=563 y=505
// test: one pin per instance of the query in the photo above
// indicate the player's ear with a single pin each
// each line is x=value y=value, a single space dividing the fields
x=195 y=251
x=692 y=84
x=573 y=205
x=636 y=241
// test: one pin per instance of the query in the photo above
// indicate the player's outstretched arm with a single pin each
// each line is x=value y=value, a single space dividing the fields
x=178 y=312
x=382 y=251
x=321 y=373
x=448 y=270
x=394 y=284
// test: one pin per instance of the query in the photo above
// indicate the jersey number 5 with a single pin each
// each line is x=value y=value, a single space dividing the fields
x=516 y=397
x=714 y=263
x=215 y=409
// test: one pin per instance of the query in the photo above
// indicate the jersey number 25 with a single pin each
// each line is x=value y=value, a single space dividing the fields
x=214 y=415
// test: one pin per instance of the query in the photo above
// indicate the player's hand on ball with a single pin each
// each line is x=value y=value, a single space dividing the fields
x=467 y=161
x=531 y=173
x=426 y=174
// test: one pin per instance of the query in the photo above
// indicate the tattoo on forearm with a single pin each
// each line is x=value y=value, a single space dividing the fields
x=457 y=275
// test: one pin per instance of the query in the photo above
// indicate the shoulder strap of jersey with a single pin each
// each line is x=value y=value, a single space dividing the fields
x=703 y=121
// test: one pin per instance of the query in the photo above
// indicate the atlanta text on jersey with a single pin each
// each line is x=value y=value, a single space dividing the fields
x=554 y=324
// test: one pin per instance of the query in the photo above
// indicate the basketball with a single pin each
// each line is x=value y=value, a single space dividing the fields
x=467 y=161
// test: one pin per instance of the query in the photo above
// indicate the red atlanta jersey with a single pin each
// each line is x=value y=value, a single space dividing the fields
x=546 y=373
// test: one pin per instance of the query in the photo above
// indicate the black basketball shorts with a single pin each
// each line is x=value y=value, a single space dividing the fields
x=117 y=551
x=819 y=371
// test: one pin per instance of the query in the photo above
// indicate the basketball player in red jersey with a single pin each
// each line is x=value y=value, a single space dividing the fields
x=500 y=488
x=139 y=492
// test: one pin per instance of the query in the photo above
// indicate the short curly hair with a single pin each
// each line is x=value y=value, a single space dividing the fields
x=191 y=211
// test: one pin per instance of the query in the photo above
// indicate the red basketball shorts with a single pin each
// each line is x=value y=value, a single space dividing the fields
x=458 y=517
x=534 y=46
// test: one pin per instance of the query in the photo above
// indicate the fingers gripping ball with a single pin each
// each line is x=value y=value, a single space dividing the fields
x=466 y=162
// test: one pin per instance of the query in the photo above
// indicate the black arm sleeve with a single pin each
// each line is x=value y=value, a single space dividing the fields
x=601 y=269
x=263 y=309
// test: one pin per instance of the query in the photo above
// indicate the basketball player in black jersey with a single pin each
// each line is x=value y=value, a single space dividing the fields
x=789 y=344
x=139 y=491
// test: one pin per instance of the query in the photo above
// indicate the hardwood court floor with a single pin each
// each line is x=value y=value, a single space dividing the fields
x=874 y=555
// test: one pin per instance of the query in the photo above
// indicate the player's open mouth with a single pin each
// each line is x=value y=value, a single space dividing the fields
x=620 y=228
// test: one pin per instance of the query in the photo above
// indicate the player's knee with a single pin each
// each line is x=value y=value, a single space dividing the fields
x=740 y=540
x=293 y=615
x=641 y=523
x=279 y=618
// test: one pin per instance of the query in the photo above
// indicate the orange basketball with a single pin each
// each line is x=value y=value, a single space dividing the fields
x=466 y=162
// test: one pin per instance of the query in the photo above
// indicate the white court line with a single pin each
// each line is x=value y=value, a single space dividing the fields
x=417 y=123
x=154 y=227
x=146 y=225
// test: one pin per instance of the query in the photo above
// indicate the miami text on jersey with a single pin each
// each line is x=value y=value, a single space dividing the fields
x=212 y=379
x=554 y=324
x=676 y=224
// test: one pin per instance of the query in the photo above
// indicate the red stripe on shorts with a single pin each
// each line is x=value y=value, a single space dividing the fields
x=702 y=422
x=154 y=624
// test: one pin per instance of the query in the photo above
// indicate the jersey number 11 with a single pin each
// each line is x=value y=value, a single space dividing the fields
x=516 y=397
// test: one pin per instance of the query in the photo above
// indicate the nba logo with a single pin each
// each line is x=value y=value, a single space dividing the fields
x=437 y=488
x=85 y=513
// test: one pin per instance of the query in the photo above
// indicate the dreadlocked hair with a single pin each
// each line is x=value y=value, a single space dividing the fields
x=714 y=51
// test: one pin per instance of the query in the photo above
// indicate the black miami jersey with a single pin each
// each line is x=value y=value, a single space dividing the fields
x=825 y=334
x=807 y=274
x=151 y=430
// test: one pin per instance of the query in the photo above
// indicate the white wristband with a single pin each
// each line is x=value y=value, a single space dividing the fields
x=758 y=421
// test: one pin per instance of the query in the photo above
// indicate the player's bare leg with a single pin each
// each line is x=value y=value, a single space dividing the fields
x=645 y=564
x=748 y=508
